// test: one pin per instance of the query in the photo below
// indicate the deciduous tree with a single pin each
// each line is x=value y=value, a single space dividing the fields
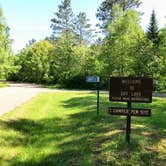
x=118 y=49
x=104 y=12
x=5 y=47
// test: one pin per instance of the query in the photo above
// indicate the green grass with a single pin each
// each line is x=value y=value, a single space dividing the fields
x=3 y=84
x=62 y=129
x=54 y=86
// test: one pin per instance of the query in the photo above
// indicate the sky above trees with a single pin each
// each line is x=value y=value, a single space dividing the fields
x=31 y=19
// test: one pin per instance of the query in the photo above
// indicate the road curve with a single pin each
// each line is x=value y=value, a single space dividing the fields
x=16 y=94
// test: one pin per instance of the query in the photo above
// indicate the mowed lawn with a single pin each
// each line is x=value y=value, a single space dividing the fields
x=62 y=129
x=3 y=84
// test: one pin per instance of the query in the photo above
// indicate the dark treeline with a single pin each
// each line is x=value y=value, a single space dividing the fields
x=70 y=53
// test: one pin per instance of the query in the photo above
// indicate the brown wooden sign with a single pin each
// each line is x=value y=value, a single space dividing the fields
x=125 y=111
x=138 y=88
x=130 y=89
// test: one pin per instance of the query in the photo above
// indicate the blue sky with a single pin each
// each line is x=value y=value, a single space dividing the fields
x=31 y=18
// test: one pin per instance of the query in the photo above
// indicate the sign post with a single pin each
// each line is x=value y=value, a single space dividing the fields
x=130 y=89
x=95 y=79
x=128 y=125
x=98 y=97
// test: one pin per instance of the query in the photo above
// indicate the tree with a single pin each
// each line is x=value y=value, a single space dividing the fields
x=142 y=64
x=104 y=12
x=52 y=39
x=5 y=47
x=117 y=52
x=30 y=42
x=162 y=47
x=34 y=63
x=63 y=21
x=82 y=28
x=162 y=59
x=152 y=32
x=63 y=60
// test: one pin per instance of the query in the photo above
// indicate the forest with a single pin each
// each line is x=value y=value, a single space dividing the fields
x=75 y=50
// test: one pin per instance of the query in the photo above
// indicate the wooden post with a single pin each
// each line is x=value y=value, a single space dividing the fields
x=98 y=97
x=128 y=124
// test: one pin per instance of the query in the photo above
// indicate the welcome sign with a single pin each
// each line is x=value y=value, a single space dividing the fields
x=130 y=89
x=138 y=88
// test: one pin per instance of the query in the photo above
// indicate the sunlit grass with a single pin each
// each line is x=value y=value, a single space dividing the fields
x=3 y=84
x=63 y=129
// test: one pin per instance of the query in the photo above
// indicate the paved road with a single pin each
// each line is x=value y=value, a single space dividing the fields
x=17 y=94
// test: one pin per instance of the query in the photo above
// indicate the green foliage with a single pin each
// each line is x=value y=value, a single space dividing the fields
x=82 y=28
x=143 y=58
x=30 y=42
x=155 y=56
x=71 y=64
x=152 y=32
x=124 y=32
x=162 y=49
x=5 y=48
x=63 y=60
x=66 y=57
x=63 y=21
x=161 y=57
x=33 y=63
x=147 y=61
x=3 y=84
x=105 y=11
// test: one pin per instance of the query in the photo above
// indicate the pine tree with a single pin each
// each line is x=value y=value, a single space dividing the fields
x=83 y=29
x=62 y=60
x=63 y=21
x=152 y=32
x=31 y=42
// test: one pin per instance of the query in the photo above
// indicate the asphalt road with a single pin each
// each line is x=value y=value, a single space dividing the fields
x=17 y=94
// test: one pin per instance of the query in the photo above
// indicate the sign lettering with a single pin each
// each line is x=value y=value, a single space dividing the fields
x=138 y=88
x=125 y=111
x=130 y=89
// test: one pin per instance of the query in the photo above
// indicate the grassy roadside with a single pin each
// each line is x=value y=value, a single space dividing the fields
x=62 y=129
x=3 y=84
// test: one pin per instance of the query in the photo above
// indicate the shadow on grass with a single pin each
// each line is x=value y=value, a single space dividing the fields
x=83 y=138
x=75 y=139
x=158 y=114
x=153 y=128
x=81 y=102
